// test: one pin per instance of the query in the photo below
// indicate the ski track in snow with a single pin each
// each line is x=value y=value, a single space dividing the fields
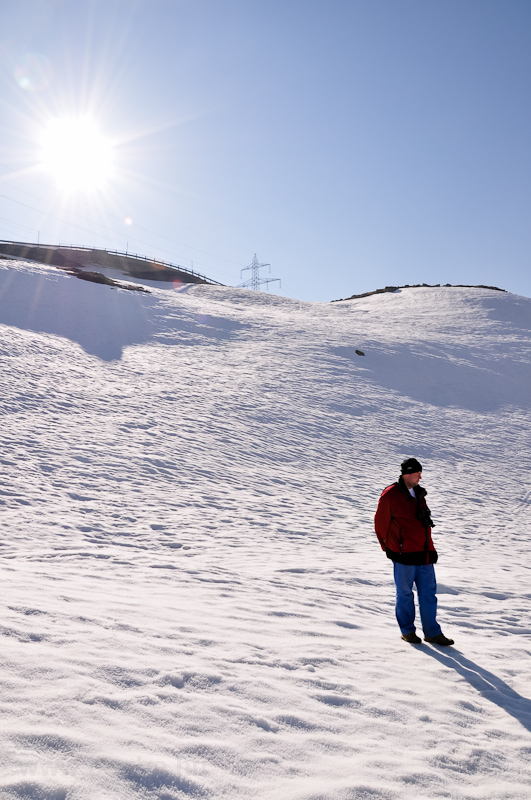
x=194 y=601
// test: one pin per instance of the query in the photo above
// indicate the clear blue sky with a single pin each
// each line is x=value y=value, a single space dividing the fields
x=352 y=144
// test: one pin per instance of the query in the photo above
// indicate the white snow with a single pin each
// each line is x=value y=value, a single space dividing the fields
x=194 y=600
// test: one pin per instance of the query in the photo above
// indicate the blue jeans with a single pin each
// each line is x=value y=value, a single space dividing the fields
x=424 y=577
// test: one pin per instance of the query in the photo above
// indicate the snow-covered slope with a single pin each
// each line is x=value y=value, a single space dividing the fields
x=194 y=602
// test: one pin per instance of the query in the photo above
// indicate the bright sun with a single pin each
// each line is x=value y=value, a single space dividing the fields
x=76 y=154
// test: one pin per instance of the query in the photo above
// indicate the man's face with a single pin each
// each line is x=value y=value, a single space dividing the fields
x=412 y=479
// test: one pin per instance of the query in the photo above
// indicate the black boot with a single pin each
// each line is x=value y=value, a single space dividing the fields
x=440 y=639
x=412 y=638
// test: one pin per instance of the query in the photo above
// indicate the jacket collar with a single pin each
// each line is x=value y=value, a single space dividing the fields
x=420 y=491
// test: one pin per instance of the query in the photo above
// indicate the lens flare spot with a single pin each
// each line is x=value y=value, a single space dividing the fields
x=128 y=221
x=33 y=73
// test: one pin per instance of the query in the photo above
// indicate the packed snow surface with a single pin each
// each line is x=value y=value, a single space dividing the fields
x=194 y=600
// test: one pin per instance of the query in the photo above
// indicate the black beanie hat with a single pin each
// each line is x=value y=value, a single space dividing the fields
x=410 y=465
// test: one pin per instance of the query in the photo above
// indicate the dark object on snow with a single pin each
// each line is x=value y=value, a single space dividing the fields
x=97 y=277
x=360 y=353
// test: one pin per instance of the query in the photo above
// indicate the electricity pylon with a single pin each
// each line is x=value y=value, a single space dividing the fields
x=255 y=281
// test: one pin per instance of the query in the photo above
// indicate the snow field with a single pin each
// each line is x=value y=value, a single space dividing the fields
x=194 y=601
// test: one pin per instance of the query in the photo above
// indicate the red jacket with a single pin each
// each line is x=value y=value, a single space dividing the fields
x=400 y=532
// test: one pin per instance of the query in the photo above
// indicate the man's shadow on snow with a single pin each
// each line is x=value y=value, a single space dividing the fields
x=487 y=684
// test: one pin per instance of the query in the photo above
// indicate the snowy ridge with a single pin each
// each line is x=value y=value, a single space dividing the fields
x=195 y=604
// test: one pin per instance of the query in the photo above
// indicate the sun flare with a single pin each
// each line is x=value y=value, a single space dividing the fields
x=76 y=154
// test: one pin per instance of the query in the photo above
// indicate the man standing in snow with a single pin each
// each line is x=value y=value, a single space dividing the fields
x=403 y=527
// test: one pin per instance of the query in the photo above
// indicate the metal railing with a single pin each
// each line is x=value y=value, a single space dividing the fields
x=135 y=256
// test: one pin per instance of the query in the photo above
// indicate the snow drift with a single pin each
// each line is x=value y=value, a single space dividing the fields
x=194 y=601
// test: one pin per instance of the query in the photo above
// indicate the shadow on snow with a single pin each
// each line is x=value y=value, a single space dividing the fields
x=491 y=687
x=102 y=320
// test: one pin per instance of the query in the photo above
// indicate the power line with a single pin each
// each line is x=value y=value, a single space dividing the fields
x=111 y=230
